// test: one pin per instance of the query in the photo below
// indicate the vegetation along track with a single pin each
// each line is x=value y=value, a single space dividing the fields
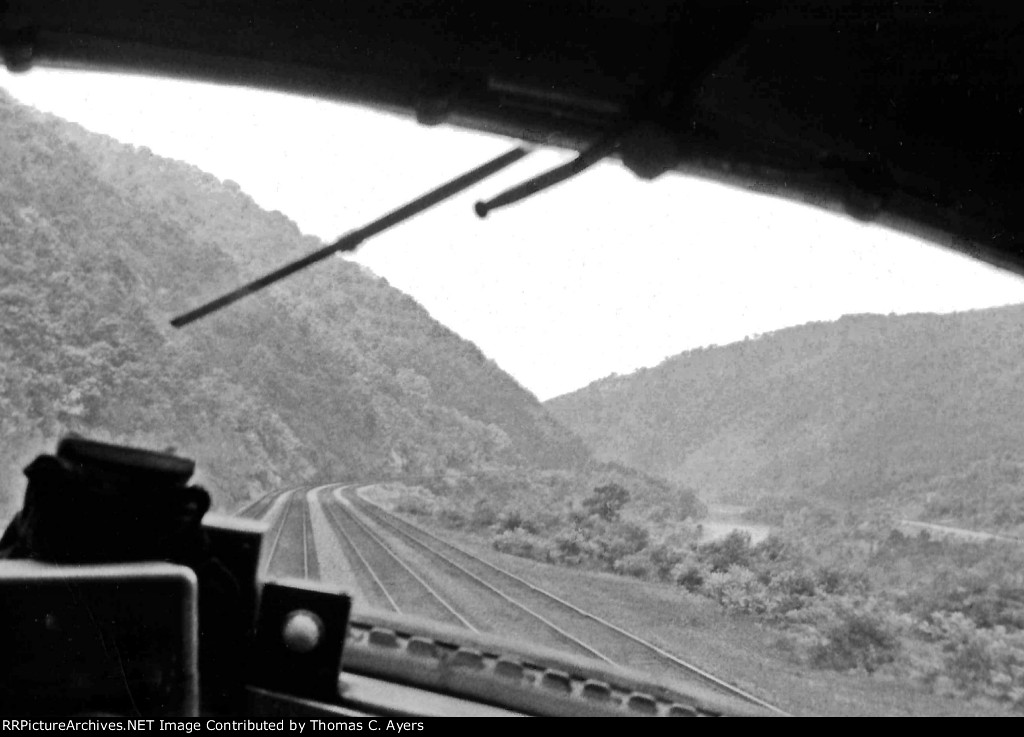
x=292 y=550
x=383 y=577
x=615 y=642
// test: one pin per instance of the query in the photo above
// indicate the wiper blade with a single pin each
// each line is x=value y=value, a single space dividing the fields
x=351 y=241
x=586 y=159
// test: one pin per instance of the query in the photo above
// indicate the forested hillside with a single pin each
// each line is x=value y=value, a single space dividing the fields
x=332 y=374
x=921 y=411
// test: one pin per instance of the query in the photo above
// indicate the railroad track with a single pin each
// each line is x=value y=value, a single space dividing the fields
x=292 y=551
x=386 y=580
x=258 y=508
x=595 y=635
x=487 y=607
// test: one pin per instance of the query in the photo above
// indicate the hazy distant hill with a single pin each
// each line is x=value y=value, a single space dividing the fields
x=333 y=373
x=931 y=406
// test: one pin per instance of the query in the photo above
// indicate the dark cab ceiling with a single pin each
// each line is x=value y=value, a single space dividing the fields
x=908 y=113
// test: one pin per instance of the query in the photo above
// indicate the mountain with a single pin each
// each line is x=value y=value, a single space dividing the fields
x=927 y=407
x=331 y=374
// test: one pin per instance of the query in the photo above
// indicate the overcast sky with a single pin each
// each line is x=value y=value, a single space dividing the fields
x=602 y=274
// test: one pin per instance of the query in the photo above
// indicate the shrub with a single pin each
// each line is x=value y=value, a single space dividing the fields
x=510 y=519
x=732 y=550
x=737 y=589
x=858 y=640
x=482 y=515
x=793 y=583
x=988 y=604
x=523 y=544
x=451 y=516
x=413 y=505
x=606 y=502
x=832 y=581
x=664 y=558
x=689 y=576
x=772 y=549
x=618 y=540
x=979 y=661
x=573 y=547
x=637 y=565
x=532 y=522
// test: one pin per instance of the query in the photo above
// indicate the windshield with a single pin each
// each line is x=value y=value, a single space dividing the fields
x=674 y=426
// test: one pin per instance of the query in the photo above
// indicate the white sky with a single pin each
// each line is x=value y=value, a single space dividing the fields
x=605 y=273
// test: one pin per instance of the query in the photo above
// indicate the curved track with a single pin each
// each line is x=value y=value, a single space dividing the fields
x=258 y=508
x=589 y=630
x=490 y=605
x=393 y=582
x=292 y=552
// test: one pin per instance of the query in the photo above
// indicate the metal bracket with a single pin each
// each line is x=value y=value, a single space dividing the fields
x=300 y=634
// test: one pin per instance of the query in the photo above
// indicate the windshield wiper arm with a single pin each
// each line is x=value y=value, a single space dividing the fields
x=351 y=241
x=586 y=159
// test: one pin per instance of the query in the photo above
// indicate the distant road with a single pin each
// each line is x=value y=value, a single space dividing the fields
x=959 y=532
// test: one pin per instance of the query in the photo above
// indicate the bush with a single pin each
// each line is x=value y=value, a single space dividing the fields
x=793 y=583
x=483 y=515
x=530 y=521
x=689 y=576
x=979 y=661
x=833 y=581
x=637 y=565
x=413 y=505
x=573 y=547
x=523 y=544
x=858 y=640
x=664 y=558
x=452 y=516
x=772 y=549
x=738 y=589
x=606 y=502
x=618 y=540
x=510 y=519
x=732 y=550
x=986 y=604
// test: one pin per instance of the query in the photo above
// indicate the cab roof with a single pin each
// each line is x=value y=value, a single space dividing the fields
x=906 y=113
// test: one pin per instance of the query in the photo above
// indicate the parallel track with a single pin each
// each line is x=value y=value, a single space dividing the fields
x=393 y=581
x=488 y=596
x=258 y=508
x=292 y=550
x=518 y=591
